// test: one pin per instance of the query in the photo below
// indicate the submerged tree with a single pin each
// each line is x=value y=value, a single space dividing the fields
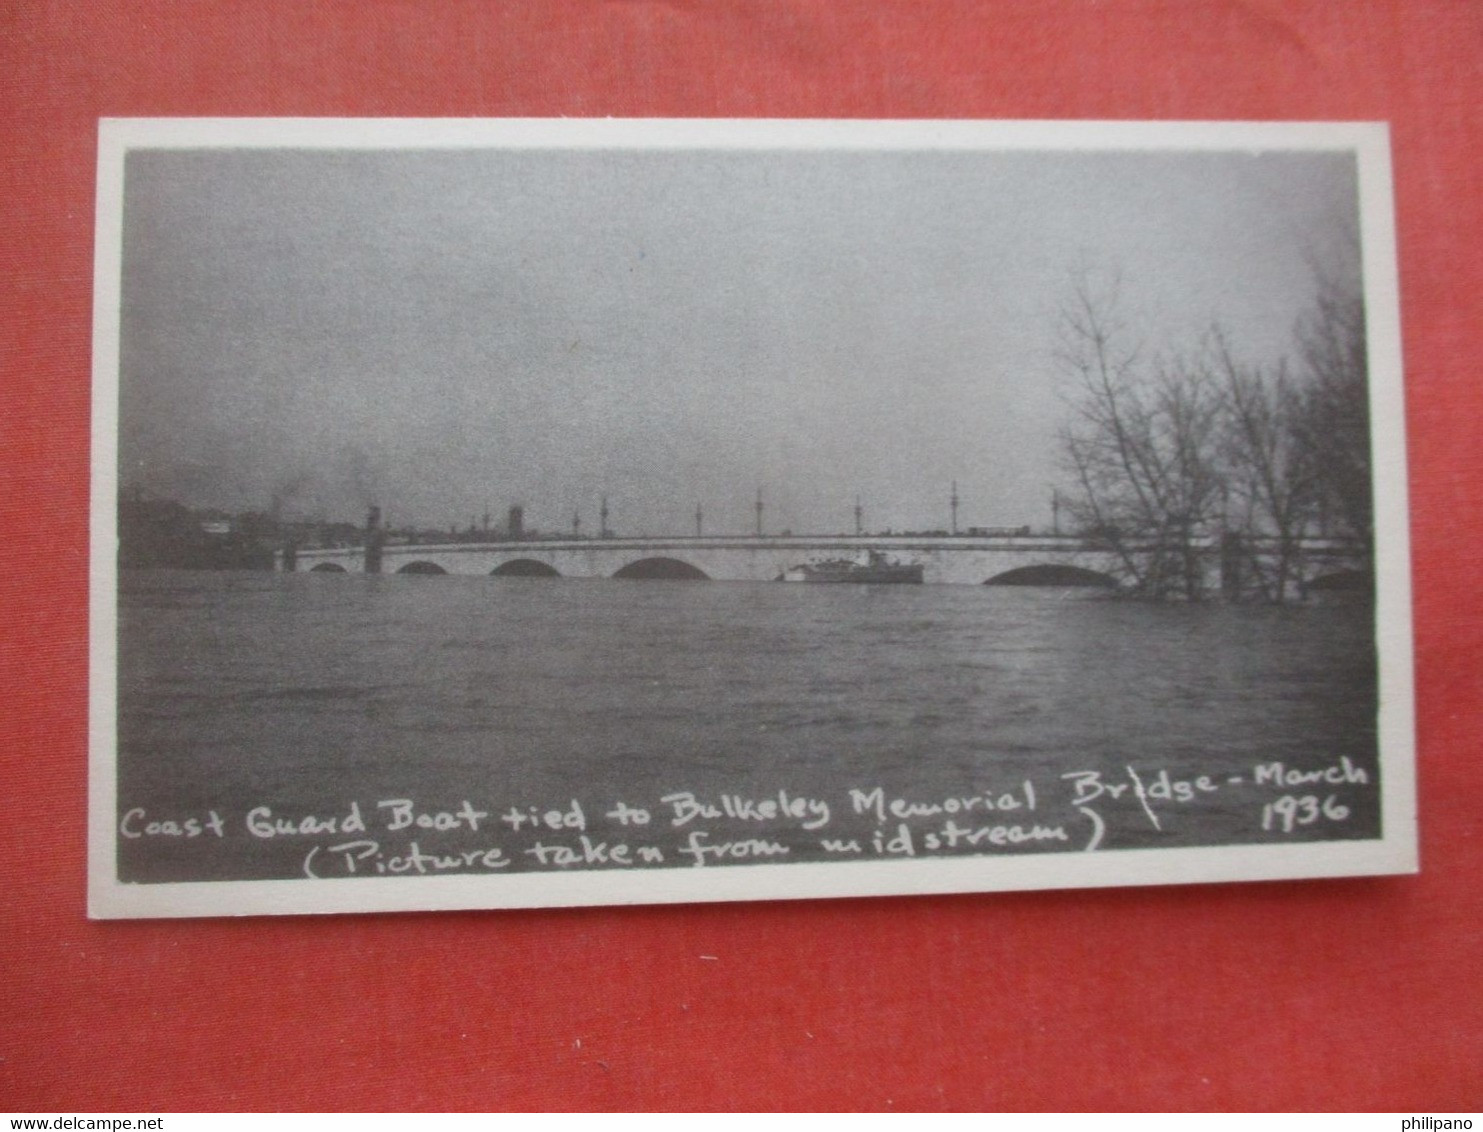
x=1173 y=458
x=1142 y=447
x=1267 y=475
x=1333 y=418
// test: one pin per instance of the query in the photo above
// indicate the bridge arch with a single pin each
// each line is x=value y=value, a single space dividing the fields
x=1049 y=574
x=663 y=569
x=422 y=568
x=328 y=568
x=525 y=568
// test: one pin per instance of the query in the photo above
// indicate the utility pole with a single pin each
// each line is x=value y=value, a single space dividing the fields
x=699 y=519
x=759 y=512
x=576 y=524
x=954 y=504
x=1055 y=511
x=859 y=518
x=602 y=526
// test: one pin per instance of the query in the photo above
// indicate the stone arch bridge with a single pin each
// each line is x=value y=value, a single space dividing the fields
x=965 y=560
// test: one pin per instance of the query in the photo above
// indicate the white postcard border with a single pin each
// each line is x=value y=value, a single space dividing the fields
x=1395 y=852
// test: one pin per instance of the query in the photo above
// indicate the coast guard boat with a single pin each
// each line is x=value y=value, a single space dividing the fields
x=877 y=570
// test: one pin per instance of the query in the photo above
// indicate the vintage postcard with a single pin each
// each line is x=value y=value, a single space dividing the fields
x=515 y=513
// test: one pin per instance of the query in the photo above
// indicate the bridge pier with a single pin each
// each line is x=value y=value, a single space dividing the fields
x=375 y=541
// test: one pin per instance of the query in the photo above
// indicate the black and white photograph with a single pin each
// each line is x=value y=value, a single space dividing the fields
x=520 y=513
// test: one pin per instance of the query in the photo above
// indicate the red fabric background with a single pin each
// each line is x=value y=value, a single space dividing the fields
x=1362 y=993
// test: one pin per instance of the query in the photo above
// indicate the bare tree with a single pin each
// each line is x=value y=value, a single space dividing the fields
x=1168 y=453
x=1142 y=448
x=1333 y=418
x=1267 y=473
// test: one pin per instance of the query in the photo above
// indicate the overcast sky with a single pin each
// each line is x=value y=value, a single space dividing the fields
x=445 y=332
